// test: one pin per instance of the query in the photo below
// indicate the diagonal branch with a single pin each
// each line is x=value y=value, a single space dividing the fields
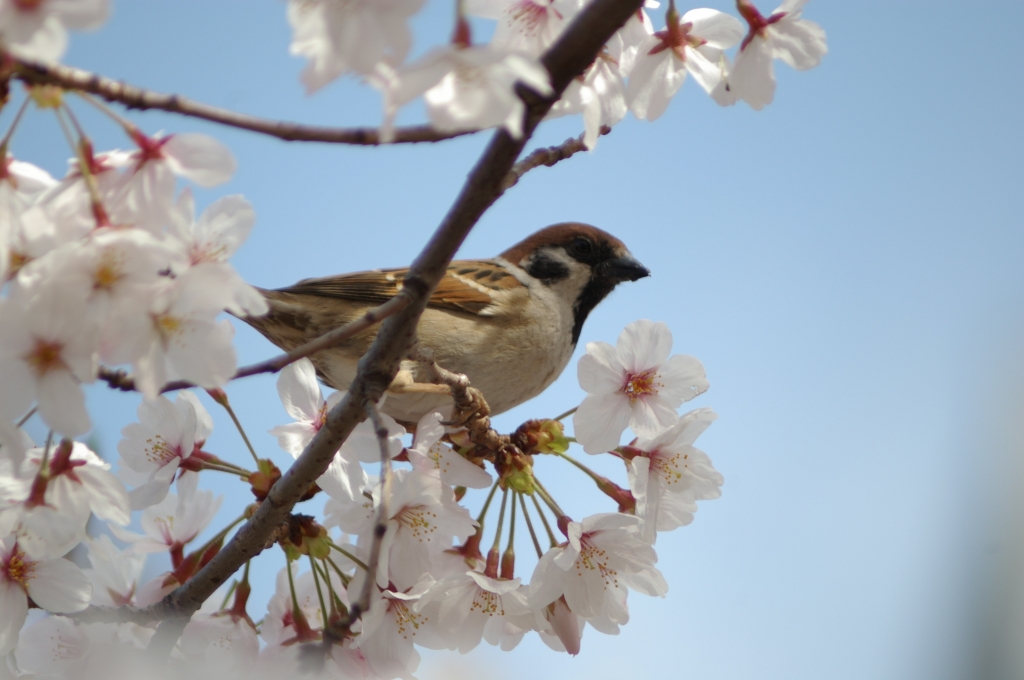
x=567 y=58
x=134 y=97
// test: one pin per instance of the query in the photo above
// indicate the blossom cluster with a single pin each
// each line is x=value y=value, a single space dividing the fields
x=107 y=273
x=432 y=586
x=471 y=87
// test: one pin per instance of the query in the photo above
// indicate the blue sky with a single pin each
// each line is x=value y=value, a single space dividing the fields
x=846 y=263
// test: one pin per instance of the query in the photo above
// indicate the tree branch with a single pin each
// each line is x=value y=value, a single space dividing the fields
x=134 y=97
x=547 y=156
x=567 y=58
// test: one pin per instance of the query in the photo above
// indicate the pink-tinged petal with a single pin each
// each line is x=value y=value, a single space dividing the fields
x=81 y=15
x=600 y=421
x=647 y=496
x=801 y=44
x=546 y=582
x=650 y=417
x=644 y=344
x=719 y=29
x=650 y=581
x=59 y=586
x=208 y=357
x=225 y=225
x=655 y=79
x=200 y=158
x=707 y=74
x=790 y=6
x=753 y=78
x=293 y=437
x=300 y=392
x=107 y=496
x=62 y=403
x=681 y=378
x=13 y=612
x=566 y=627
x=599 y=370
x=19 y=387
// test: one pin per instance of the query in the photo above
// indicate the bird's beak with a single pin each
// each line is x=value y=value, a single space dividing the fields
x=625 y=268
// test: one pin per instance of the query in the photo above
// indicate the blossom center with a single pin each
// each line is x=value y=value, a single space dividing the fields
x=406 y=620
x=159 y=452
x=168 y=325
x=108 y=272
x=418 y=520
x=640 y=385
x=45 y=356
x=528 y=16
x=27 y=5
x=18 y=569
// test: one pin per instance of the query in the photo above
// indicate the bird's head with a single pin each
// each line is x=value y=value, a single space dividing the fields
x=580 y=262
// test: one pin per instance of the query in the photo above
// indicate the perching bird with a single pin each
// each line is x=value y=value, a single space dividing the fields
x=509 y=323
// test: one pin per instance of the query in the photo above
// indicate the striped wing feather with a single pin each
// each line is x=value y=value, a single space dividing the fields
x=464 y=287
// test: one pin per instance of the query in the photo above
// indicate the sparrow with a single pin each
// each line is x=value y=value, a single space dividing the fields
x=510 y=324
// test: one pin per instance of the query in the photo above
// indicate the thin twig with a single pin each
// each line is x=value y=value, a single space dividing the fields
x=120 y=380
x=380 y=526
x=547 y=156
x=134 y=97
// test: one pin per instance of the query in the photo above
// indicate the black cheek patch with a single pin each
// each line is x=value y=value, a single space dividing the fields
x=592 y=293
x=548 y=270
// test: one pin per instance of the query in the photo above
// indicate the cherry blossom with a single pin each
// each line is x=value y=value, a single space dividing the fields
x=529 y=26
x=390 y=628
x=349 y=35
x=633 y=384
x=281 y=625
x=73 y=484
x=47 y=349
x=20 y=184
x=782 y=35
x=624 y=45
x=302 y=399
x=175 y=521
x=38 y=30
x=211 y=240
x=145 y=197
x=220 y=640
x=693 y=44
x=600 y=95
x=559 y=627
x=466 y=88
x=55 y=585
x=429 y=453
x=114 y=574
x=474 y=606
x=671 y=475
x=179 y=337
x=59 y=647
x=423 y=519
x=604 y=555
x=152 y=449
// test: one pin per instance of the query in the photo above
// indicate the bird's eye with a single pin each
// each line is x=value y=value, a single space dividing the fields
x=581 y=247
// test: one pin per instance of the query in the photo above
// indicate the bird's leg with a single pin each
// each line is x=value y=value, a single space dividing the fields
x=404 y=383
x=471 y=410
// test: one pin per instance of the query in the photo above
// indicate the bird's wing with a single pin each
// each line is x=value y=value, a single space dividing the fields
x=467 y=286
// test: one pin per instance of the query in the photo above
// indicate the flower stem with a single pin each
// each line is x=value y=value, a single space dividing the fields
x=24 y=418
x=359 y=562
x=319 y=592
x=14 y=126
x=529 y=525
x=547 y=527
x=487 y=504
x=547 y=497
x=345 y=579
x=590 y=473
x=567 y=413
x=501 y=520
x=223 y=401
